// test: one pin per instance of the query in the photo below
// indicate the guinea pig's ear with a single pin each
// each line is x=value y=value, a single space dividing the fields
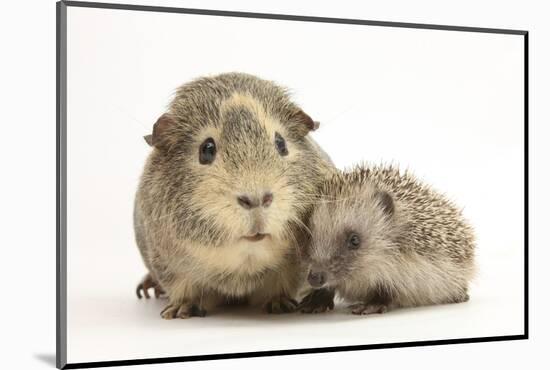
x=158 y=138
x=386 y=202
x=303 y=123
x=148 y=139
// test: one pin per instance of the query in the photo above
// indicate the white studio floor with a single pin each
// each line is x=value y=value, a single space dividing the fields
x=108 y=323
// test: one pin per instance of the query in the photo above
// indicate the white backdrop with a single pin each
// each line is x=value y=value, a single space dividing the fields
x=28 y=162
x=447 y=105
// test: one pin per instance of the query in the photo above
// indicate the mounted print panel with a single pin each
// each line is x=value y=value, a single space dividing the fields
x=304 y=185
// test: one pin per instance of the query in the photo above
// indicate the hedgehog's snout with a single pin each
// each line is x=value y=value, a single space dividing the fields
x=317 y=279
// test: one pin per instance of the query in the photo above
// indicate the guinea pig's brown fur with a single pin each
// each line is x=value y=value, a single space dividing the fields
x=224 y=224
x=382 y=239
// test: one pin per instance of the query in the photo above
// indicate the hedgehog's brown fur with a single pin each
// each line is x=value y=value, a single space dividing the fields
x=188 y=223
x=416 y=248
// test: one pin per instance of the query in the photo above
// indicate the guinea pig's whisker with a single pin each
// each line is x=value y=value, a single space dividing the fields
x=151 y=220
x=121 y=109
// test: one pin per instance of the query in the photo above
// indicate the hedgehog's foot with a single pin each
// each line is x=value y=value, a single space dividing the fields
x=367 y=308
x=318 y=301
x=182 y=310
x=147 y=283
x=282 y=304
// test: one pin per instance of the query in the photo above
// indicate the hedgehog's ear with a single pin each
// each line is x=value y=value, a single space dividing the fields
x=303 y=123
x=386 y=202
x=158 y=138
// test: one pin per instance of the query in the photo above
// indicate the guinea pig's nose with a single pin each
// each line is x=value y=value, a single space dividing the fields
x=267 y=199
x=317 y=279
x=249 y=202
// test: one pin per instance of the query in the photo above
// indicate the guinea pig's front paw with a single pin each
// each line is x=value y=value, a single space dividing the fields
x=367 y=309
x=182 y=310
x=281 y=304
x=317 y=301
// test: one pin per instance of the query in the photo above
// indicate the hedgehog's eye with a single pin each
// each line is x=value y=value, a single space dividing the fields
x=354 y=241
x=280 y=144
x=207 y=151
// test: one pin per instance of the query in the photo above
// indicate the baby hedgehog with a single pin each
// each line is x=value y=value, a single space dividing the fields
x=381 y=239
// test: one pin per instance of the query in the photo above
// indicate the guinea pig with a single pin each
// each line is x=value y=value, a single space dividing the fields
x=222 y=203
x=381 y=239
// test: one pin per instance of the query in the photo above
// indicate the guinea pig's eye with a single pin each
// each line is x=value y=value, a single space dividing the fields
x=354 y=241
x=207 y=151
x=280 y=144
